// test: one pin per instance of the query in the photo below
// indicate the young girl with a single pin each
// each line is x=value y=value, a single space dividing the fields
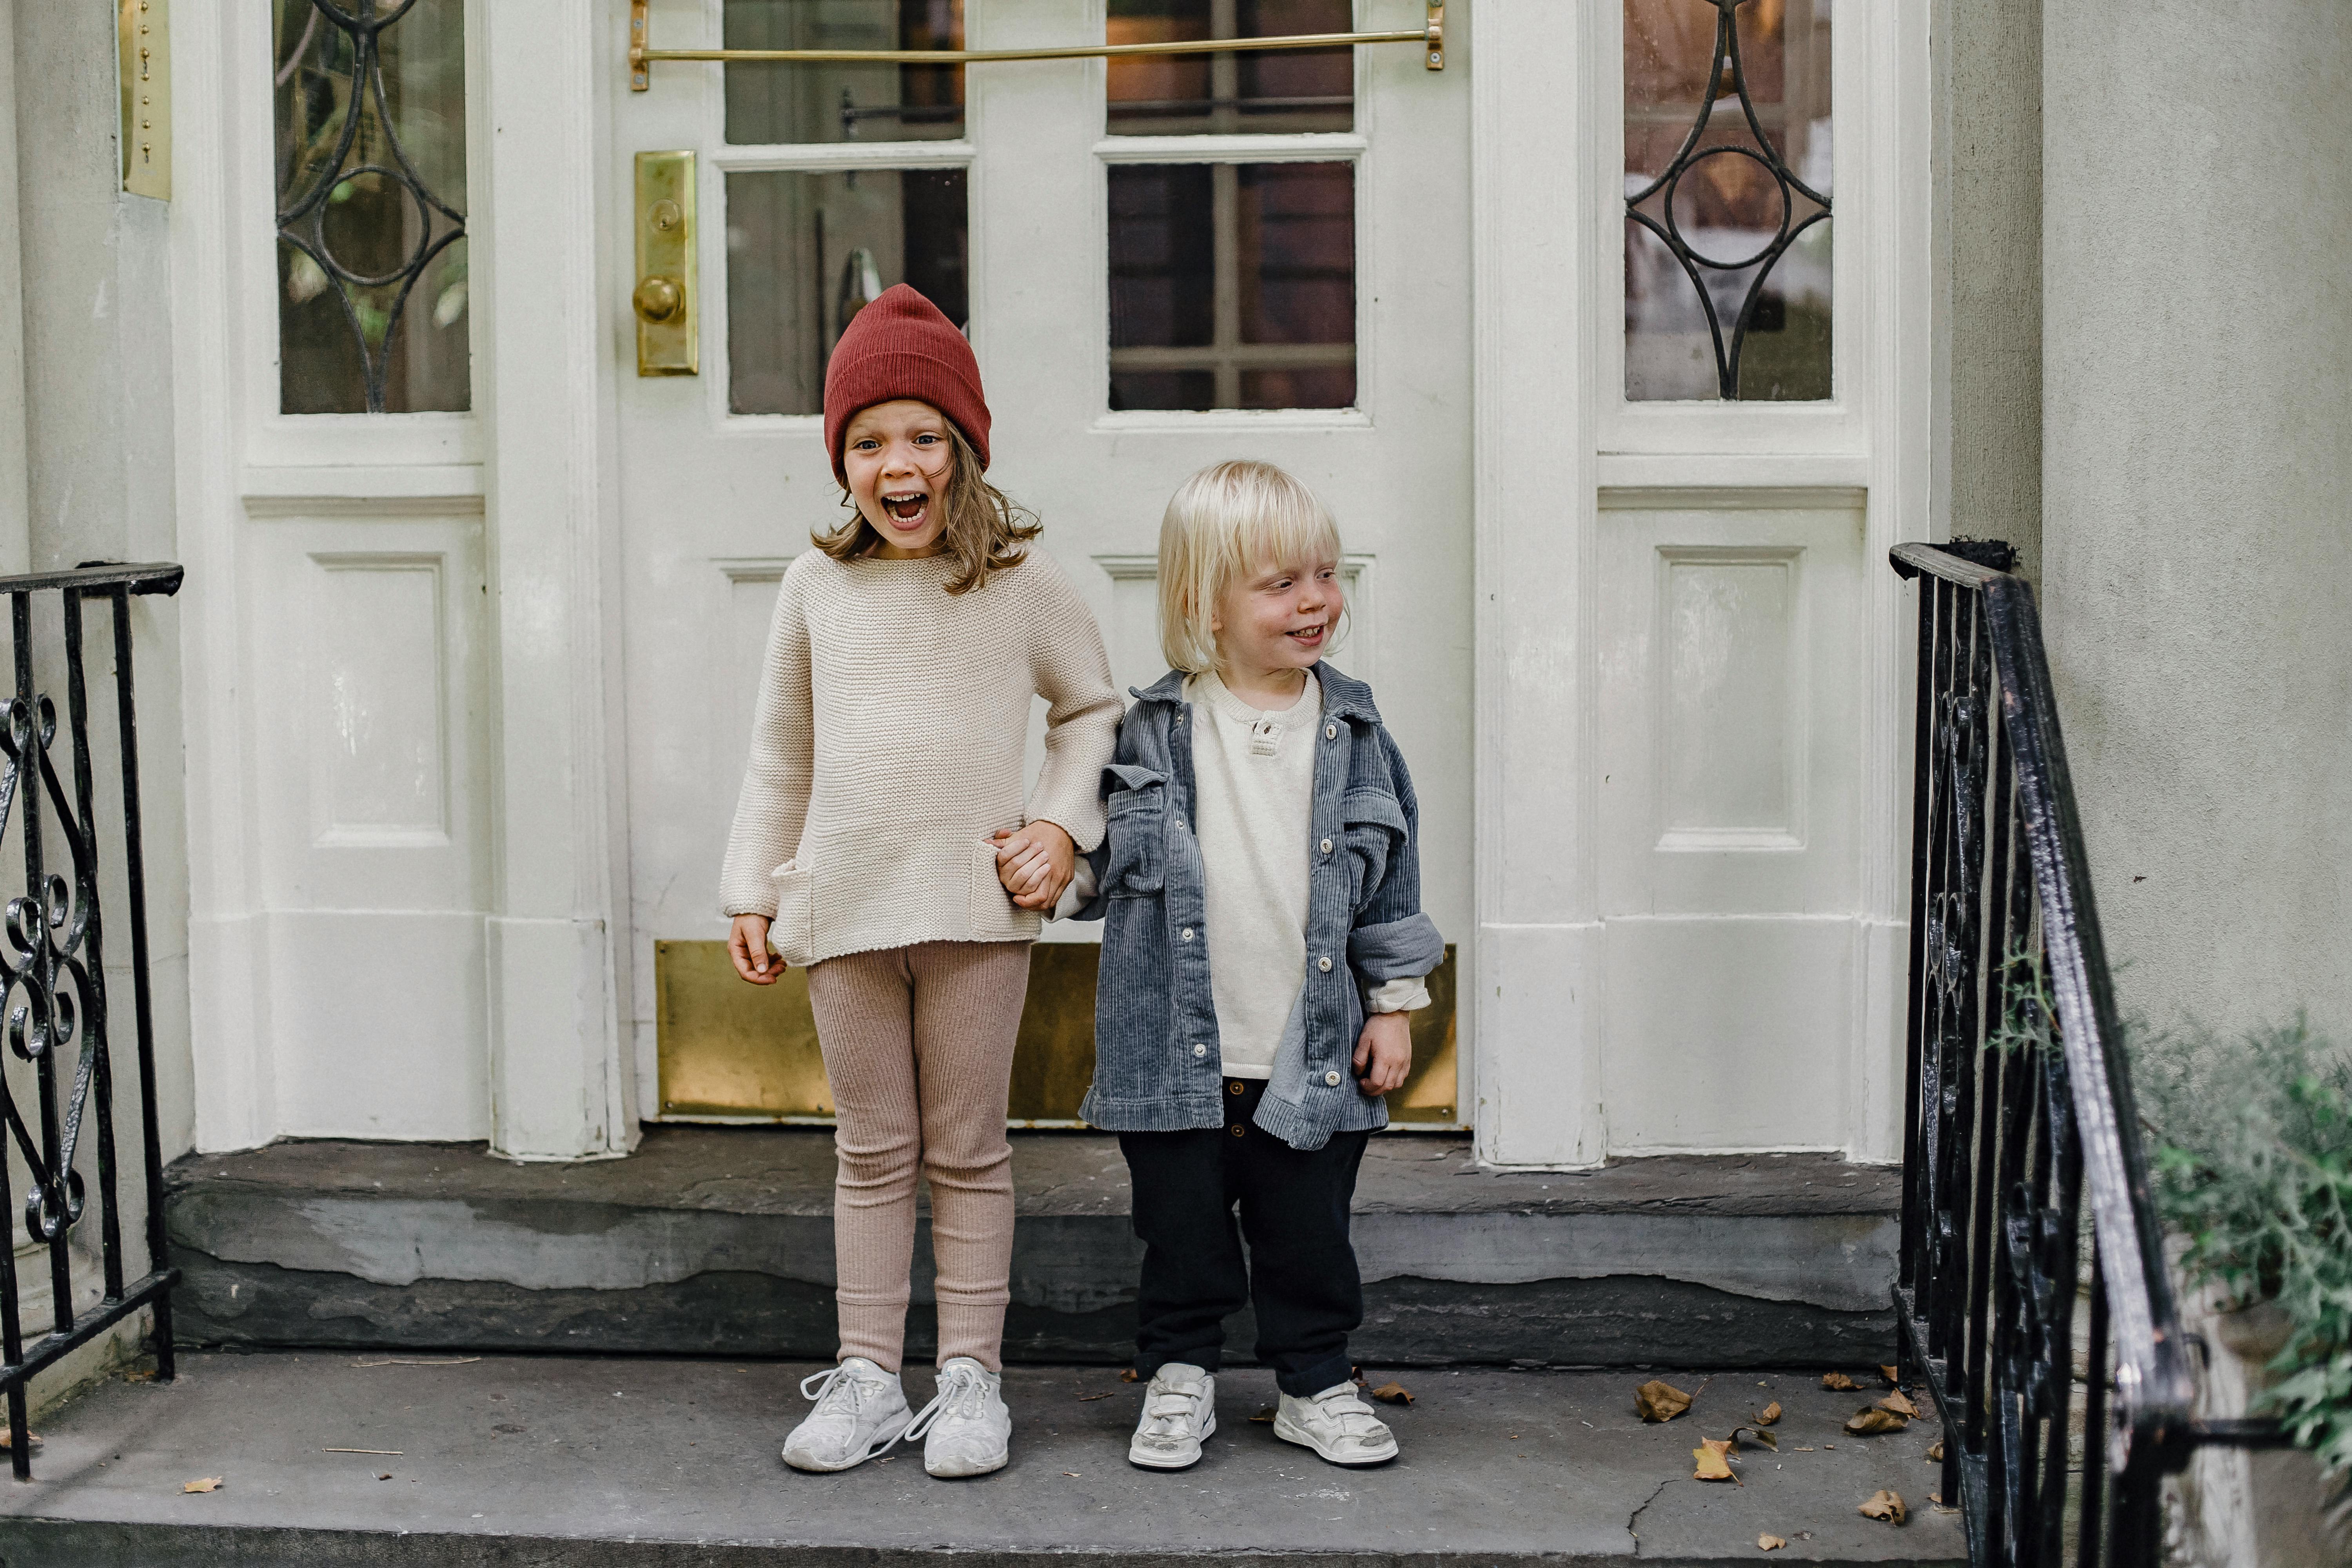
x=881 y=840
x=1262 y=888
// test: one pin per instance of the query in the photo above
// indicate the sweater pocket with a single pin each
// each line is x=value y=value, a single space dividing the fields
x=994 y=916
x=792 y=933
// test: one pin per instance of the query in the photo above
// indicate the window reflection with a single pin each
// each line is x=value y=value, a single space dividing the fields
x=778 y=101
x=1233 y=286
x=1285 y=90
x=1766 y=302
x=806 y=252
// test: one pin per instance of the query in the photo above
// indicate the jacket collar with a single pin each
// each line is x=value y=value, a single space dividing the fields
x=1343 y=695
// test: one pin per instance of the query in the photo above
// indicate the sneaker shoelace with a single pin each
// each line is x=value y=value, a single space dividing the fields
x=962 y=1394
x=836 y=1392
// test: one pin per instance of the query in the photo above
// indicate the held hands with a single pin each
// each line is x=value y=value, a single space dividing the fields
x=746 y=945
x=1383 y=1053
x=1034 y=864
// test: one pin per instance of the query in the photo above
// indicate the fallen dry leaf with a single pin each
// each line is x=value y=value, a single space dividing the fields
x=384 y=1476
x=1264 y=1416
x=1888 y=1373
x=209 y=1484
x=1771 y=1413
x=1129 y=1376
x=7 y=1439
x=1883 y=1505
x=1393 y=1394
x=1087 y=1398
x=1899 y=1402
x=1659 y=1401
x=1873 y=1420
x=1770 y=1543
x=1837 y=1380
x=1800 y=1450
x=1936 y=1453
x=1935 y=1497
x=1713 y=1456
x=1768 y=1439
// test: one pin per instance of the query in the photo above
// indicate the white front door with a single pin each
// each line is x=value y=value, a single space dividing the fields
x=1161 y=264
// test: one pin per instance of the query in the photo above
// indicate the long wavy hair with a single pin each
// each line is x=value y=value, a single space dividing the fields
x=986 y=530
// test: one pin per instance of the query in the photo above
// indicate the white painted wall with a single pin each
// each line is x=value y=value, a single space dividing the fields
x=2197 y=553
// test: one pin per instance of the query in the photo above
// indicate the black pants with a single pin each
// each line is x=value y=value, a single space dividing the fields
x=1301 y=1273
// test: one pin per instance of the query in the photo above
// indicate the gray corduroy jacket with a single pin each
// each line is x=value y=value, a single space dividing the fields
x=1158 y=1067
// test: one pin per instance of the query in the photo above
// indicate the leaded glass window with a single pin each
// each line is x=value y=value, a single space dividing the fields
x=1727 y=180
x=371 y=152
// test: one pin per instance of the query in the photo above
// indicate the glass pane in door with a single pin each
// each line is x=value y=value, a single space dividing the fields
x=1233 y=286
x=1284 y=89
x=1728 y=231
x=784 y=102
x=805 y=252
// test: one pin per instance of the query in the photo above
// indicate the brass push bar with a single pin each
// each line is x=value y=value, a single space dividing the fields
x=1431 y=37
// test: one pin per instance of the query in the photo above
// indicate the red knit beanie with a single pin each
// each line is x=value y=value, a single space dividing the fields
x=900 y=345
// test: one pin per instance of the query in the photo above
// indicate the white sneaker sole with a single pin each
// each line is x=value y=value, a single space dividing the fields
x=884 y=1440
x=963 y=1469
x=1291 y=1433
x=1152 y=1460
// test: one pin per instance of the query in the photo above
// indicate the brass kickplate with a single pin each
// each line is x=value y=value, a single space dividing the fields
x=664 y=296
x=731 y=1051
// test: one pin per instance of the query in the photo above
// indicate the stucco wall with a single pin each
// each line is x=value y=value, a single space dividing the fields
x=97 y=475
x=1987 y=398
x=2196 y=551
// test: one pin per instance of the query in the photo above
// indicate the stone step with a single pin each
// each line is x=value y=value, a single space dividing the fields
x=719 y=1241
x=635 y=1462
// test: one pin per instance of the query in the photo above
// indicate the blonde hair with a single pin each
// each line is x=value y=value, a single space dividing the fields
x=1226 y=520
x=985 y=529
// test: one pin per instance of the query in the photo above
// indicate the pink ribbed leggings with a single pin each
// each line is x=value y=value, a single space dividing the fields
x=918 y=1044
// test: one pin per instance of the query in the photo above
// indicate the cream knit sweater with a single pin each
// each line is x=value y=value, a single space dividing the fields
x=888 y=745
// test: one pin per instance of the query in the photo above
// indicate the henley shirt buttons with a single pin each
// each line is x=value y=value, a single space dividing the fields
x=1188 y=936
x=1323 y=965
x=1327 y=847
x=1332 y=1077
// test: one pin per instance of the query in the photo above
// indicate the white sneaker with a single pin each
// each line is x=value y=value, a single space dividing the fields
x=1179 y=1409
x=1336 y=1424
x=860 y=1411
x=965 y=1428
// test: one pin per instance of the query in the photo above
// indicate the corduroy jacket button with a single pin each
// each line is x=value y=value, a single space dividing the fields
x=1331 y=731
x=1200 y=1050
x=1187 y=933
x=1327 y=847
x=1323 y=965
x=1332 y=1077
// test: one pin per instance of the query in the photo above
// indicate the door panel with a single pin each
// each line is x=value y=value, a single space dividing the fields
x=724 y=475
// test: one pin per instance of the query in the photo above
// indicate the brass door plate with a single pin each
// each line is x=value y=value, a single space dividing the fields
x=733 y=1052
x=663 y=295
x=143 y=61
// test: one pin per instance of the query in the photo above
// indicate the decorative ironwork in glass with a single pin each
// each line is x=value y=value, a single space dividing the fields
x=1727 y=199
x=371 y=120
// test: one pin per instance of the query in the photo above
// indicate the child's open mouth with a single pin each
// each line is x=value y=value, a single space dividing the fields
x=907 y=507
x=1309 y=636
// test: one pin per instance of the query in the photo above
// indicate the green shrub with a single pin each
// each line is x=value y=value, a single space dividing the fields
x=2252 y=1142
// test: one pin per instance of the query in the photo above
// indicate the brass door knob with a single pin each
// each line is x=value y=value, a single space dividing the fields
x=659 y=299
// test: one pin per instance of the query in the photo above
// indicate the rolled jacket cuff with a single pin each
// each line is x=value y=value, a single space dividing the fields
x=1397 y=950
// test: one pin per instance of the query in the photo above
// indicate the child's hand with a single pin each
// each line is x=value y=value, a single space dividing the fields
x=746 y=945
x=1383 y=1053
x=1034 y=864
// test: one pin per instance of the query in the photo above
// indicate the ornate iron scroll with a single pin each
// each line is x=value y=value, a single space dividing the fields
x=302 y=217
x=1689 y=156
x=53 y=989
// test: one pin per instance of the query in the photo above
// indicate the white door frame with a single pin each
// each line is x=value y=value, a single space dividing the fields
x=525 y=997
x=1548 y=225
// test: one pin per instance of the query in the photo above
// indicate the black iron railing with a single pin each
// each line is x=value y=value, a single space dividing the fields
x=53 y=981
x=2052 y=1346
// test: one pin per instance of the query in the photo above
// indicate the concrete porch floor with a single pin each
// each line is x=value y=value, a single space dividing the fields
x=595 y=1462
